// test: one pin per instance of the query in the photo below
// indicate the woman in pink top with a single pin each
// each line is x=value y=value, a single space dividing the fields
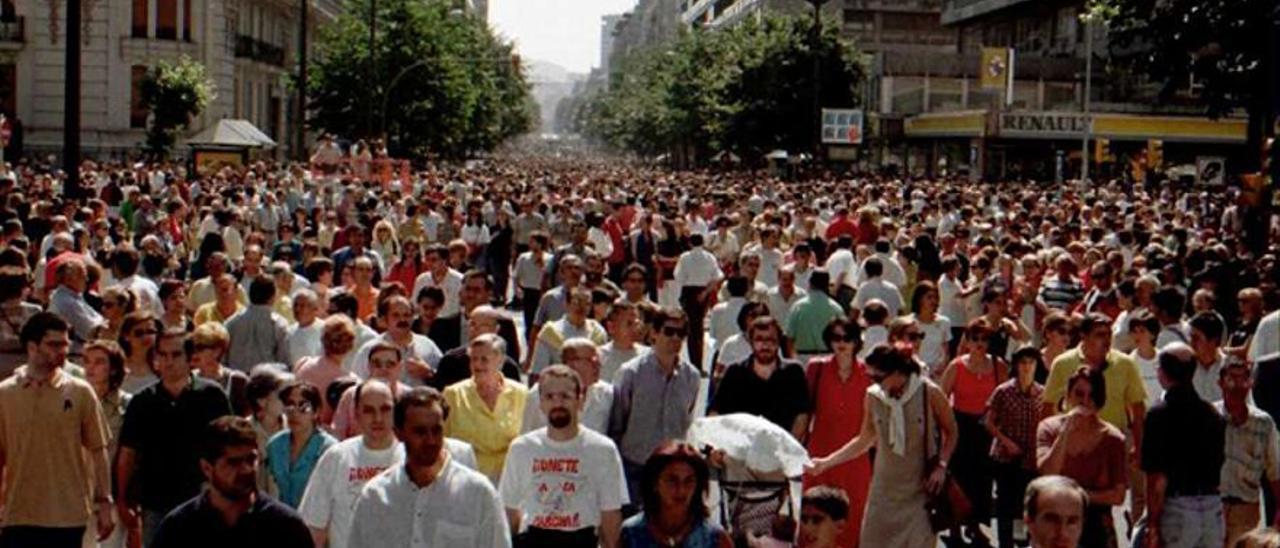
x=969 y=381
x=338 y=339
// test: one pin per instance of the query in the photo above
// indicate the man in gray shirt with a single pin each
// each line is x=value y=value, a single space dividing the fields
x=258 y=334
x=654 y=398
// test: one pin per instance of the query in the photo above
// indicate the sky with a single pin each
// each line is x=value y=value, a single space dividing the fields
x=563 y=32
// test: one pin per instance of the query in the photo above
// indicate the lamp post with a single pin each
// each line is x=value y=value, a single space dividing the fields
x=817 y=78
x=1088 y=91
x=71 y=103
x=301 y=129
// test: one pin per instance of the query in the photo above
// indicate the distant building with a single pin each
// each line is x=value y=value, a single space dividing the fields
x=608 y=27
x=249 y=48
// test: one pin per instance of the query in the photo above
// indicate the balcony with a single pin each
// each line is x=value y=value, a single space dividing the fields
x=248 y=47
x=13 y=29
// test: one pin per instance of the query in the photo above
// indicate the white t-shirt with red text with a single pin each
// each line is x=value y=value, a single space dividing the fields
x=330 y=499
x=562 y=485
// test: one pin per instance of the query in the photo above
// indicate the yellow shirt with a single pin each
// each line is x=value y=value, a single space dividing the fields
x=1124 y=384
x=46 y=427
x=209 y=312
x=489 y=432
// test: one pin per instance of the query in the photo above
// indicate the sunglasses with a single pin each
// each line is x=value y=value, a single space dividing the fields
x=843 y=337
x=673 y=331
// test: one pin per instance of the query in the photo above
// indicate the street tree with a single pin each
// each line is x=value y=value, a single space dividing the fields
x=175 y=93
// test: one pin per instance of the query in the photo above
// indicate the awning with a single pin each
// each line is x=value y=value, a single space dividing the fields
x=232 y=133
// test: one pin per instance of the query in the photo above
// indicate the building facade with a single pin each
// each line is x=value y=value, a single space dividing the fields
x=248 y=47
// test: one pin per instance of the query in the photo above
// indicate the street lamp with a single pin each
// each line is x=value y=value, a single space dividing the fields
x=817 y=78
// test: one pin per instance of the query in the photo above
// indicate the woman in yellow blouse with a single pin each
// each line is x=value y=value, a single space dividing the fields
x=486 y=410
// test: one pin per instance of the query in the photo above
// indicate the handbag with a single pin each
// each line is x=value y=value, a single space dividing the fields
x=950 y=507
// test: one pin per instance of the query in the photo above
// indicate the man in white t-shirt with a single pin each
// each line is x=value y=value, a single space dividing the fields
x=328 y=505
x=563 y=485
x=432 y=500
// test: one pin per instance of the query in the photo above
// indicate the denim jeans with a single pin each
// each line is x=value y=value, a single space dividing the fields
x=1193 y=522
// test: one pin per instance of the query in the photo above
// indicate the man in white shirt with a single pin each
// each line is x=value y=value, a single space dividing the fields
x=1206 y=341
x=575 y=323
x=304 y=337
x=328 y=505
x=436 y=260
x=563 y=485
x=583 y=357
x=893 y=272
x=420 y=354
x=724 y=315
x=876 y=287
x=623 y=324
x=432 y=500
x=1266 y=338
x=125 y=261
x=697 y=273
x=786 y=294
x=842 y=267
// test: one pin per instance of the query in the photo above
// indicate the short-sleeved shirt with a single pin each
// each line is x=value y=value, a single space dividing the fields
x=1102 y=468
x=166 y=431
x=808 y=318
x=562 y=485
x=1251 y=454
x=489 y=431
x=330 y=499
x=290 y=475
x=267 y=524
x=1016 y=413
x=45 y=428
x=780 y=398
x=1123 y=380
x=1183 y=439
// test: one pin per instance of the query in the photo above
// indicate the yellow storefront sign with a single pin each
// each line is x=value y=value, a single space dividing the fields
x=971 y=123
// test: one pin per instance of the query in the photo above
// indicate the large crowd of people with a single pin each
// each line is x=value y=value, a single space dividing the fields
x=512 y=353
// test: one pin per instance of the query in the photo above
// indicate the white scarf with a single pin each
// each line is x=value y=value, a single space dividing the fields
x=897 y=418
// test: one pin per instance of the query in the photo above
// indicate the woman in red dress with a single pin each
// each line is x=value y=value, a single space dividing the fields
x=837 y=385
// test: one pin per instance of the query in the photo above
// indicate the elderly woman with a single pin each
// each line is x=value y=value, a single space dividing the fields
x=137 y=338
x=209 y=344
x=292 y=453
x=338 y=339
x=486 y=410
x=674 y=485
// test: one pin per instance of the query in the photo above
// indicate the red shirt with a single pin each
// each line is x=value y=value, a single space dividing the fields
x=841 y=226
x=614 y=229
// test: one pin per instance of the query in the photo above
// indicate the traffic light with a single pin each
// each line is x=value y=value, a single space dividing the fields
x=1101 y=151
x=1155 y=153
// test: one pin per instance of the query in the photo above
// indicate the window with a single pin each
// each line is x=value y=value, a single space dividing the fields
x=167 y=19
x=137 y=111
x=140 y=12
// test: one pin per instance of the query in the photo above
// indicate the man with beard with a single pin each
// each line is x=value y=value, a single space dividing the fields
x=430 y=500
x=563 y=485
x=231 y=511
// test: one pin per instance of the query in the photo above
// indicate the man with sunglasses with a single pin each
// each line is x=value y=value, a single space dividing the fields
x=654 y=397
x=765 y=384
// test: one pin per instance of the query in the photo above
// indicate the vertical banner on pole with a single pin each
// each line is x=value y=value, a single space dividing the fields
x=996 y=66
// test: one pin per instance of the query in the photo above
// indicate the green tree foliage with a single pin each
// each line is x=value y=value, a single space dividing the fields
x=747 y=89
x=1222 y=44
x=175 y=93
x=451 y=88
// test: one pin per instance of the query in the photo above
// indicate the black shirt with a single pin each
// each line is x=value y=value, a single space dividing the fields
x=166 y=432
x=455 y=367
x=780 y=398
x=267 y=524
x=1184 y=438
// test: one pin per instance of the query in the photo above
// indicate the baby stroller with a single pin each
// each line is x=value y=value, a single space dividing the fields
x=757 y=481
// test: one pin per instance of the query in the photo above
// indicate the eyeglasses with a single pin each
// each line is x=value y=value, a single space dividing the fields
x=144 y=332
x=299 y=407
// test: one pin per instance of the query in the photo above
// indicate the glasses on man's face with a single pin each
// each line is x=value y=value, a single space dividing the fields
x=672 y=331
x=298 y=407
